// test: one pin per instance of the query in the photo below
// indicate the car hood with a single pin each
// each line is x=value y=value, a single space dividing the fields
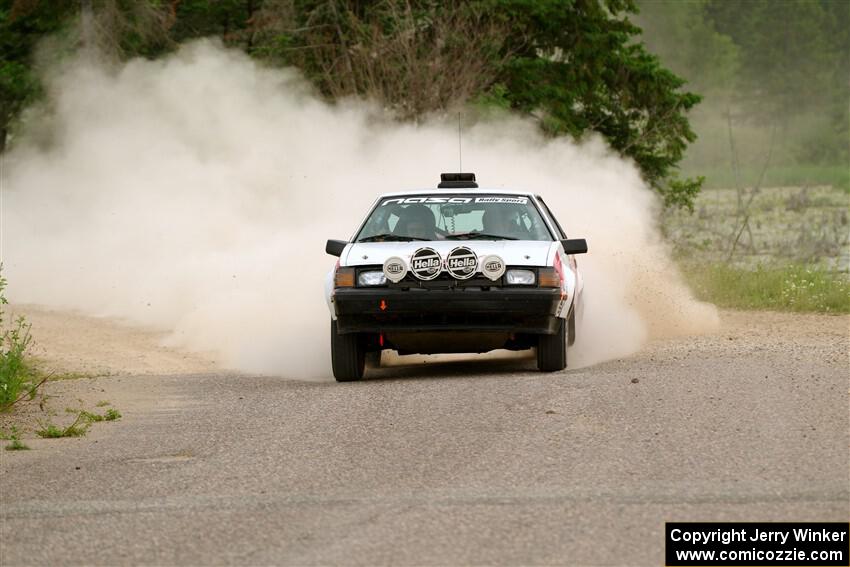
x=512 y=252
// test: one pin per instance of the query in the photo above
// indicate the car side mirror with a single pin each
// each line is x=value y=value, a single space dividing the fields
x=574 y=245
x=335 y=247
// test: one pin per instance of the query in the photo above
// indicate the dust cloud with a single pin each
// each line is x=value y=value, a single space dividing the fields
x=195 y=194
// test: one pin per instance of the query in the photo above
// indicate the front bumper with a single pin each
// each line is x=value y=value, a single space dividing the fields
x=382 y=310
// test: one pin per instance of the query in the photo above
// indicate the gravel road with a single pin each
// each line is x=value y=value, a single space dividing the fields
x=458 y=463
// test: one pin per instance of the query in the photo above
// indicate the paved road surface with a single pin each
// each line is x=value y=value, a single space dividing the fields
x=451 y=464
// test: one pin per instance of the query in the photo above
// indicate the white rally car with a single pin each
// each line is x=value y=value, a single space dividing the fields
x=456 y=269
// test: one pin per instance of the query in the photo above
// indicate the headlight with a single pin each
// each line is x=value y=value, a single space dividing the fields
x=519 y=277
x=366 y=279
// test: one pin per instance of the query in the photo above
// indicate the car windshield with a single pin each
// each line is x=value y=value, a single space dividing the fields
x=454 y=217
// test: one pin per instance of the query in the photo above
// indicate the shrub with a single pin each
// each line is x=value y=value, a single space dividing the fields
x=16 y=379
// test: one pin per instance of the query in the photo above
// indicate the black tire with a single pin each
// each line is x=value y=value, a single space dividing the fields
x=571 y=329
x=348 y=355
x=552 y=349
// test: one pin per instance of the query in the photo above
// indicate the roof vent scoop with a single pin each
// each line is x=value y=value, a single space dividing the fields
x=457 y=181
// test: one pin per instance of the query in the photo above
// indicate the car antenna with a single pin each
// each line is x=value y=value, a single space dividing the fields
x=459 y=146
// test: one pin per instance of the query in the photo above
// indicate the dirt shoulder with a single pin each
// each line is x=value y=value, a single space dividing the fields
x=71 y=343
x=95 y=363
x=806 y=336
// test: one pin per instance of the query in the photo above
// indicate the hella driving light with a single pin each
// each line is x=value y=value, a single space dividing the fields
x=366 y=279
x=519 y=277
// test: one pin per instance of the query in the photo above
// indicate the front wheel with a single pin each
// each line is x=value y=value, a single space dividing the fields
x=348 y=355
x=552 y=349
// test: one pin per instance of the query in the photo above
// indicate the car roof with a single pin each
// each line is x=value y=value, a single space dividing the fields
x=483 y=190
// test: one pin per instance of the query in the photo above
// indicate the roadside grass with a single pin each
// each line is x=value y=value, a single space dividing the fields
x=72 y=376
x=80 y=426
x=111 y=415
x=18 y=379
x=41 y=368
x=794 y=287
x=21 y=377
x=777 y=176
x=83 y=420
x=16 y=443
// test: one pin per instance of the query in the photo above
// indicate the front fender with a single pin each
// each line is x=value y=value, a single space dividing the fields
x=329 y=288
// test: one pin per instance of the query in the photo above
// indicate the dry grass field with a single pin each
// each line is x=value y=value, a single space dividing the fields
x=776 y=248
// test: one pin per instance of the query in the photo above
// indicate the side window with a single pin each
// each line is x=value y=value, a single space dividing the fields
x=561 y=233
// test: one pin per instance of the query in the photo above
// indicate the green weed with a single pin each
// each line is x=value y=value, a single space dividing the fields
x=17 y=379
x=793 y=287
x=76 y=429
x=50 y=431
x=72 y=376
x=16 y=443
x=89 y=417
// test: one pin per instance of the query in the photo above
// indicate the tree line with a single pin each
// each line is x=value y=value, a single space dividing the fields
x=776 y=73
x=574 y=66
